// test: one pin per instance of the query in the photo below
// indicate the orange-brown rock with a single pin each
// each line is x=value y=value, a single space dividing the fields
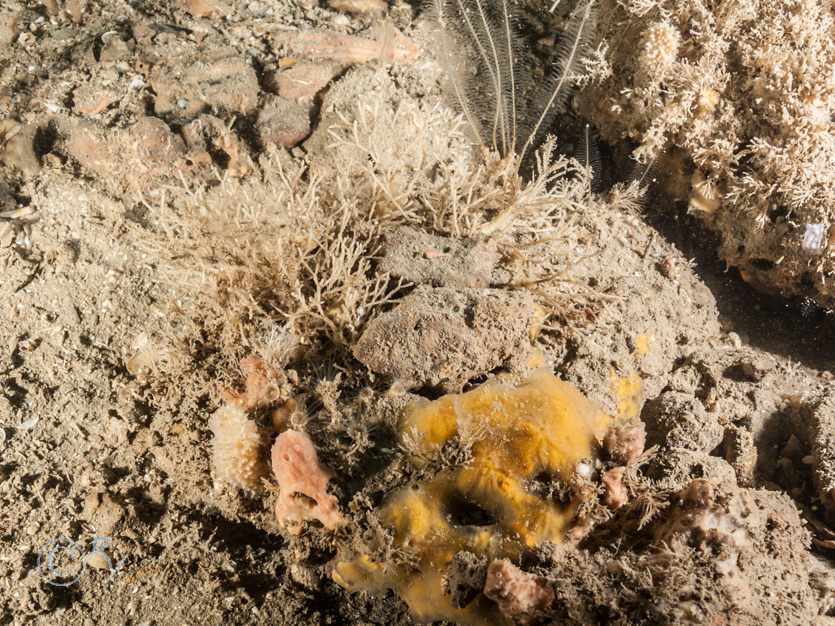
x=206 y=8
x=93 y=98
x=185 y=90
x=282 y=123
x=303 y=80
x=146 y=153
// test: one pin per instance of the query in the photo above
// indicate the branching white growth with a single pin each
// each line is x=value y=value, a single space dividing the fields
x=279 y=341
x=290 y=255
x=544 y=198
x=594 y=66
x=412 y=442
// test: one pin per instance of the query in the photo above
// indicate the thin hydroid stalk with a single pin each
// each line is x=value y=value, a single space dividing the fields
x=506 y=106
x=457 y=87
x=509 y=38
x=578 y=32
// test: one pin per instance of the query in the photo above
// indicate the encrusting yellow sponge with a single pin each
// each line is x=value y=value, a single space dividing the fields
x=540 y=432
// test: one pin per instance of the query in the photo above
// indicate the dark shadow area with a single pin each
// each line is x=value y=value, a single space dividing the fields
x=792 y=327
x=144 y=508
x=45 y=140
x=242 y=542
x=14 y=392
x=114 y=473
x=462 y=511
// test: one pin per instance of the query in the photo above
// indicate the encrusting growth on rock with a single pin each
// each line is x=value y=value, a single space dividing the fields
x=625 y=442
x=302 y=483
x=237 y=455
x=734 y=104
x=518 y=594
x=517 y=433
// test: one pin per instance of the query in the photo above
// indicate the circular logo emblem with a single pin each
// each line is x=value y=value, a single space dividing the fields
x=61 y=562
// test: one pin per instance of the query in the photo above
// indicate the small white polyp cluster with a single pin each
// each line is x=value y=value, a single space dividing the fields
x=660 y=50
x=813 y=239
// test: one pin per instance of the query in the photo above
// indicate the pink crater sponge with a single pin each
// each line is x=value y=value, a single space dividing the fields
x=302 y=483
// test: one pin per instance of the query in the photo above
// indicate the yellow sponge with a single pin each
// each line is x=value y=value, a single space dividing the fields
x=539 y=431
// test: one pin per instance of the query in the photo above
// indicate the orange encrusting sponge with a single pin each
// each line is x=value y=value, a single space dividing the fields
x=538 y=429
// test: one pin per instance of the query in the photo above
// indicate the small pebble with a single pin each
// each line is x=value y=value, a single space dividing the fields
x=7 y=234
x=668 y=268
x=27 y=345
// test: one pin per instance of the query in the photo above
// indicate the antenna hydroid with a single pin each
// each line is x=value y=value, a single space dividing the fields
x=489 y=73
